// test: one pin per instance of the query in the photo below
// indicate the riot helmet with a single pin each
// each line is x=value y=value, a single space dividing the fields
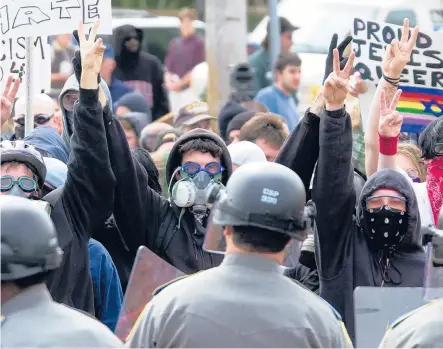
x=269 y=196
x=19 y=151
x=29 y=244
x=433 y=240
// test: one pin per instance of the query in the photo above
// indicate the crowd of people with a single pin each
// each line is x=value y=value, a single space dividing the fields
x=281 y=216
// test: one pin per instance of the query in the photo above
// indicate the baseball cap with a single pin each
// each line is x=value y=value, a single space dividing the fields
x=285 y=25
x=192 y=114
x=42 y=104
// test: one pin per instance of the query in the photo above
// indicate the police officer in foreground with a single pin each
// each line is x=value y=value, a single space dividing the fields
x=29 y=253
x=423 y=327
x=246 y=301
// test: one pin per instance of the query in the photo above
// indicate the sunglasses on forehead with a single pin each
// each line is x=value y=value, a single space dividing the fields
x=39 y=119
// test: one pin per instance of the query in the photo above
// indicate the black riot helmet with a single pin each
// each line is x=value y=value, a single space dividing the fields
x=29 y=244
x=268 y=195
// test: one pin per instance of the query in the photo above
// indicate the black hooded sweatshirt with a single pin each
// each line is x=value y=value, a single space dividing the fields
x=140 y=70
x=344 y=258
x=144 y=217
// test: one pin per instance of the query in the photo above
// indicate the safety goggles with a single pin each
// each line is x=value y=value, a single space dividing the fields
x=414 y=175
x=39 y=119
x=27 y=184
x=396 y=203
x=191 y=168
x=438 y=149
x=69 y=100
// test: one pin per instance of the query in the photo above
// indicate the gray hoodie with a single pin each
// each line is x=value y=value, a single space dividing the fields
x=68 y=116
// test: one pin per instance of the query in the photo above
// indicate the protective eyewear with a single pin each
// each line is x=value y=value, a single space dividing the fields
x=413 y=174
x=438 y=149
x=396 y=204
x=27 y=184
x=69 y=100
x=191 y=168
x=39 y=119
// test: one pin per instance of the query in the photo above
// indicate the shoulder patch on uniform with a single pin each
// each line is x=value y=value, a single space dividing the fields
x=407 y=315
x=162 y=287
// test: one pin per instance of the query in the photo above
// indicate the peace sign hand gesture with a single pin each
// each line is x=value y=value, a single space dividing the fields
x=390 y=119
x=7 y=100
x=91 y=51
x=336 y=85
x=398 y=53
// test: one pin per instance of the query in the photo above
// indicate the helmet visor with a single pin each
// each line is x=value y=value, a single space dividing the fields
x=434 y=272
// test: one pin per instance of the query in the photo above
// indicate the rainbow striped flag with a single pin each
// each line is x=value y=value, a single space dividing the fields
x=419 y=106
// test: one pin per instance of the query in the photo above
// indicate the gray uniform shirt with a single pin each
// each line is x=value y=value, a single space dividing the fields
x=33 y=320
x=422 y=328
x=245 y=302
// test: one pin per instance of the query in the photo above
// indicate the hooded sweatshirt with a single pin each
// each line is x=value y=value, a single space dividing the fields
x=46 y=139
x=135 y=102
x=144 y=217
x=344 y=256
x=140 y=70
x=68 y=116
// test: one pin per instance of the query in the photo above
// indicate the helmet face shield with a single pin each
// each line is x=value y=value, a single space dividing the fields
x=434 y=272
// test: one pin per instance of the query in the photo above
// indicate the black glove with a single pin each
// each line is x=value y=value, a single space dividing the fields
x=77 y=61
x=330 y=59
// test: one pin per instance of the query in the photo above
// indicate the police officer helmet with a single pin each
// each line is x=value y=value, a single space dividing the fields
x=19 y=151
x=263 y=195
x=29 y=242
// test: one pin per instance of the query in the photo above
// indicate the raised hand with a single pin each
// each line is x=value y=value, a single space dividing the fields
x=336 y=85
x=91 y=51
x=341 y=49
x=8 y=97
x=398 y=53
x=390 y=119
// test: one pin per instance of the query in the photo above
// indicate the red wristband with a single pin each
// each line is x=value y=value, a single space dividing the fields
x=388 y=145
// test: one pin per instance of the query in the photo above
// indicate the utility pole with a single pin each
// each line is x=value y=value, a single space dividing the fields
x=226 y=46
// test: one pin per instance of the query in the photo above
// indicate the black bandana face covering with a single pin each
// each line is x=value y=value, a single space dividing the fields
x=387 y=226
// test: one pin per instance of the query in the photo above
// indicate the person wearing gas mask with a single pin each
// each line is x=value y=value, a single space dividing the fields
x=380 y=245
x=78 y=205
x=246 y=302
x=422 y=328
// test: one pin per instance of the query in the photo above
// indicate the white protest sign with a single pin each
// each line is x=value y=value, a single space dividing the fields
x=13 y=62
x=51 y=17
x=421 y=80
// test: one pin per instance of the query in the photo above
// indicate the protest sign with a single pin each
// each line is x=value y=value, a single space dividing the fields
x=13 y=62
x=22 y=18
x=421 y=80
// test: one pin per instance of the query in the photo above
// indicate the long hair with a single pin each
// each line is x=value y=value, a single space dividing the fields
x=414 y=154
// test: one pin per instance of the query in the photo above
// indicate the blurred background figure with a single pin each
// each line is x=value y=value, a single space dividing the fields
x=278 y=97
x=138 y=69
x=409 y=159
x=260 y=61
x=148 y=136
x=43 y=109
x=244 y=153
x=57 y=120
x=49 y=143
x=194 y=115
x=184 y=53
x=61 y=67
x=236 y=124
x=268 y=131
x=133 y=124
x=117 y=87
x=132 y=102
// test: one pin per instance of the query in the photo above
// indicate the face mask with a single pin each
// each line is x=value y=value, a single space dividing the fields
x=17 y=191
x=387 y=227
x=434 y=185
x=192 y=192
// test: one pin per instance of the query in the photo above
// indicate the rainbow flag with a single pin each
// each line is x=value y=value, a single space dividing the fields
x=419 y=106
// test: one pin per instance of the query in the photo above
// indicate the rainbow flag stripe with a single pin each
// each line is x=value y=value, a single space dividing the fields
x=411 y=105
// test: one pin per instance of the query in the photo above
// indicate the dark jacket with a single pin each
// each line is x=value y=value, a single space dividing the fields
x=344 y=259
x=146 y=218
x=80 y=204
x=141 y=71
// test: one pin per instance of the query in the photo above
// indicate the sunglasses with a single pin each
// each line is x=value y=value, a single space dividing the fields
x=191 y=168
x=69 y=100
x=438 y=149
x=27 y=184
x=39 y=119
